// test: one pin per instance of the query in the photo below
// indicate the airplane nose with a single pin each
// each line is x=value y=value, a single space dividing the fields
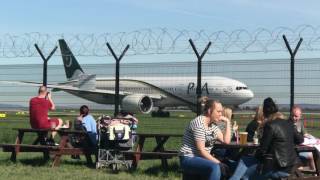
x=250 y=94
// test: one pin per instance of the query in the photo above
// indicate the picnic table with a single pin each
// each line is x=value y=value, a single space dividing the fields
x=39 y=145
x=158 y=152
x=299 y=148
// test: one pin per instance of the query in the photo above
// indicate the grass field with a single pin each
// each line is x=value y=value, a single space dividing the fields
x=30 y=165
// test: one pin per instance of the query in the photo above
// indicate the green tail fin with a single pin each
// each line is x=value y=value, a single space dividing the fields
x=71 y=65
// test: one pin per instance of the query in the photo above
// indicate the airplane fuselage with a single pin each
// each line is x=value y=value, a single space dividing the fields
x=228 y=91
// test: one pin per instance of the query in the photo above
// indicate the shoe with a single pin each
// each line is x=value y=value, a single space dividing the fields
x=50 y=142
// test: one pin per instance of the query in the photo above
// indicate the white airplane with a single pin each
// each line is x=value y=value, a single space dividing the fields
x=141 y=94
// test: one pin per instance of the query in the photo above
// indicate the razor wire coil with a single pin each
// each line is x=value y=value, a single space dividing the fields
x=162 y=41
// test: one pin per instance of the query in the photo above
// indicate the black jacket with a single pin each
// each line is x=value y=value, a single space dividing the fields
x=251 y=128
x=279 y=139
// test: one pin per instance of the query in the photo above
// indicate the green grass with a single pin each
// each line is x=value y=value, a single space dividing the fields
x=30 y=165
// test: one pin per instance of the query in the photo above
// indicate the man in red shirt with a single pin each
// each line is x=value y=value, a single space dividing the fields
x=38 y=109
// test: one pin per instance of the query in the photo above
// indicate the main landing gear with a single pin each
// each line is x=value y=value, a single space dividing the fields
x=160 y=113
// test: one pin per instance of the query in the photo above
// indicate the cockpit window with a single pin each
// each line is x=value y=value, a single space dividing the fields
x=241 y=87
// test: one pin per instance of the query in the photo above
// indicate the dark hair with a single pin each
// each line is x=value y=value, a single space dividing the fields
x=125 y=113
x=84 y=110
x=269 y=107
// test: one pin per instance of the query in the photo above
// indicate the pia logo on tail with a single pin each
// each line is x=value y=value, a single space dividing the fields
x=68 y=61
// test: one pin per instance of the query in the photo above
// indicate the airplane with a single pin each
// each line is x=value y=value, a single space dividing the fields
x=141 y=94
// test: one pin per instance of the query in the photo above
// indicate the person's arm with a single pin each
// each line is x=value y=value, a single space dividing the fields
x=226 y=137
x=53 y=106
x=303 y=130
x=205 y=154
x=298 y=137
x=199 y=139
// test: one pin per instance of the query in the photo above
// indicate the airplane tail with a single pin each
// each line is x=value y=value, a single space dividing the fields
x=71 y=66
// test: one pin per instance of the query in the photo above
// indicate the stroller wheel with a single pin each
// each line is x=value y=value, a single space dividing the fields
x=114 y=167
x=129 y=165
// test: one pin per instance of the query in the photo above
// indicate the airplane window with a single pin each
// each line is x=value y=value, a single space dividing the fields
x=240 y=87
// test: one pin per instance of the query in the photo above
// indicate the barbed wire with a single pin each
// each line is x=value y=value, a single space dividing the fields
x=163 y=41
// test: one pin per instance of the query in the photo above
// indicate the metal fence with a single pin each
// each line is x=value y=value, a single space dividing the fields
x=265 y=77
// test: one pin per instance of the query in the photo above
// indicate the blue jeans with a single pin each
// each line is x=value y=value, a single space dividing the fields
x=266 y=176
x=201 y=166
x=245 y=168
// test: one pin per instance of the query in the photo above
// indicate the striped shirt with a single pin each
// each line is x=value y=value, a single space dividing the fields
x=196 y=131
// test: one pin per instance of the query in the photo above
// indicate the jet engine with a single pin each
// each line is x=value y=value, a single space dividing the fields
x=137 y=103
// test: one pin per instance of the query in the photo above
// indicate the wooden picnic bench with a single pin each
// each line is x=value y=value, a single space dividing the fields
x=299 y=148
x=39 y=145
x=158 y=152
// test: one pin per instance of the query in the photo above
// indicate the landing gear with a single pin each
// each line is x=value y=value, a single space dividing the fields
x=160 y=113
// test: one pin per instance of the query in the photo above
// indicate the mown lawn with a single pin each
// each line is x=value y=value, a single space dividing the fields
x=30 y=165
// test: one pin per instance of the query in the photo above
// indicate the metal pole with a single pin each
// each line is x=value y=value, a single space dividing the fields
x=45 y=63
x=117 y=97
x=199 y=72
x=292 y=68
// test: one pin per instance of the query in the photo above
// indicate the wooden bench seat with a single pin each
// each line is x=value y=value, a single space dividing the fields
x=151 y=155
x=27 y=148
x=38 y=145
x=14 y=148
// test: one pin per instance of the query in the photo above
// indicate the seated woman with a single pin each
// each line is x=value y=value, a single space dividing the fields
x=255 y=125
x=86 y=122
x=223 y=153
x=199 y=138
x=277 y=143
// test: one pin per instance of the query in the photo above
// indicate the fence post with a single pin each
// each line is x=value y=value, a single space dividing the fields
x=45 y=63
x=116 y=97
x=199 y=72
x=292 y=56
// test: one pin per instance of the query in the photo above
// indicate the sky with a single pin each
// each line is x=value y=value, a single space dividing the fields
x=112 y=16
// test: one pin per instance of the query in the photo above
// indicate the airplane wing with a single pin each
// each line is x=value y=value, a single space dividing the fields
x=67 y=87
x=76 y=90
x=98 y=91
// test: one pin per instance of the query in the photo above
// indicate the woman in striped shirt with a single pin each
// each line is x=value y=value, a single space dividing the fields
x=199 y=138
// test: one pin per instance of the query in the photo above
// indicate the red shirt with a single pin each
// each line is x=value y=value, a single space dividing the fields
x=38 y=109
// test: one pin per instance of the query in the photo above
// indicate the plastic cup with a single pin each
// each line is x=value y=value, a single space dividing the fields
x=243 y=137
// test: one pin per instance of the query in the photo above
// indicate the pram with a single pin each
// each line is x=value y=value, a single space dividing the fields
x=115 y=136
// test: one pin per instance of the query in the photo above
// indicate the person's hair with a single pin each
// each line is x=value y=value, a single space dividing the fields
x=209 y=104
x=259 y=114
x=269 y=107
x=42 y=89
x=227 y=112
x=84 y=110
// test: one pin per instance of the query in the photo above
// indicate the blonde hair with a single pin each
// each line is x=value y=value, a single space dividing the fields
x=227 y=112
x=277 y=115
x=259 y=115
x=274 y=116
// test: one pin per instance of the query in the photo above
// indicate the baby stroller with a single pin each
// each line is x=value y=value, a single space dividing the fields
x=115 y=136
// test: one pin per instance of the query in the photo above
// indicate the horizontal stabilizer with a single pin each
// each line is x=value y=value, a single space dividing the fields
x=86 y=82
